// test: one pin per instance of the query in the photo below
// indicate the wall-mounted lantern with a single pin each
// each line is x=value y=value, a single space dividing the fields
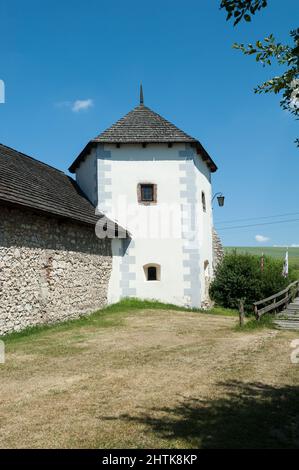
x=220 y=199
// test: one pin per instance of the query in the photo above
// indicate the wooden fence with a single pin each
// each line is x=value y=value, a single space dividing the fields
x=277 y=301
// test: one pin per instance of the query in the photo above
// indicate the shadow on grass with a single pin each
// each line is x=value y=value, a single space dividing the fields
x=249 y=415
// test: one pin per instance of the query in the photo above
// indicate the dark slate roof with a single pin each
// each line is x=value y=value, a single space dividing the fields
x=142 y=125
x=30 y=183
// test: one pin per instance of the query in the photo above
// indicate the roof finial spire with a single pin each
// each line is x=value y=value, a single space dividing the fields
x=141 y=95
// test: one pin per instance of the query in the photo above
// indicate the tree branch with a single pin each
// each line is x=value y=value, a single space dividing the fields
x=242 y=9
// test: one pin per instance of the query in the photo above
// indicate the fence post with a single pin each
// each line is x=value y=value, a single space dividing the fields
x=287 y=299
x=241 y=312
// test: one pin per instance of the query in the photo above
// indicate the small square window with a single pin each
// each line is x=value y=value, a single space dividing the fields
x=147 y=192
x=152 y=273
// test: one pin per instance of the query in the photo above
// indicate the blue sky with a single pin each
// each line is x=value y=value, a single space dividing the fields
x=54 y=53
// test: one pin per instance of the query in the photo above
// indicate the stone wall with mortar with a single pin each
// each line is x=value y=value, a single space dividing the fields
x=218 y=251
x=50 y=270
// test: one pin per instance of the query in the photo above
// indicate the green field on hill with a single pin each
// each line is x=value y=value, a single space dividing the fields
x=275 y=252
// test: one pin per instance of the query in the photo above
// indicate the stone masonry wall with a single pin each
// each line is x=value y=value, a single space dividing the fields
x=218 y=251
x=50 y=270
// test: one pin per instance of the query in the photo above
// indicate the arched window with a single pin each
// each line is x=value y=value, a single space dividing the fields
x=203 y=201
x=152 y=272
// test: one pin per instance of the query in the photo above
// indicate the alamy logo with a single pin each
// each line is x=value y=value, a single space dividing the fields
x=2 y=352
x=2 y=92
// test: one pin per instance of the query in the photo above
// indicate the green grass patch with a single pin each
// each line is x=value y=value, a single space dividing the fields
x=266 y=321
x=132 y=303
x=226 y=312
x=110 y=316
x=273 y=251
x=99 y=319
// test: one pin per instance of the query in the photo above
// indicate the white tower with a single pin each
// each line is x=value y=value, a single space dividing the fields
x=154 y=180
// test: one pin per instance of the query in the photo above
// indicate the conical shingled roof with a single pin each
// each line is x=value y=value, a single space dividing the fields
x=142 y=126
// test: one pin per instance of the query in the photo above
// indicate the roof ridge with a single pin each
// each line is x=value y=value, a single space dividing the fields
x=164 y=119
x=152 y=129
x=142 y=125
x=116 y=122
x=142 y=106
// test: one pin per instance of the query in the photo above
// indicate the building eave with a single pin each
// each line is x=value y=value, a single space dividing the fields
x=194 y=143
x=112 y=227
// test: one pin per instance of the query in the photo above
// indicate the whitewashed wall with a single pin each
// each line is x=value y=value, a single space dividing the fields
x=86 y=177
x=180 y=176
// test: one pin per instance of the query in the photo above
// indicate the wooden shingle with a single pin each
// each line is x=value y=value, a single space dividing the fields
x=27 y=182
x=143 y=126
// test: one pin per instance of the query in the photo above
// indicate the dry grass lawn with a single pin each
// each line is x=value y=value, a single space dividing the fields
x=150 y=379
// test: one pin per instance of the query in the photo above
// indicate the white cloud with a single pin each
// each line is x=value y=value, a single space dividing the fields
x=77 y=105
x=261 y=238
x=81 y=105
x=295 y=245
